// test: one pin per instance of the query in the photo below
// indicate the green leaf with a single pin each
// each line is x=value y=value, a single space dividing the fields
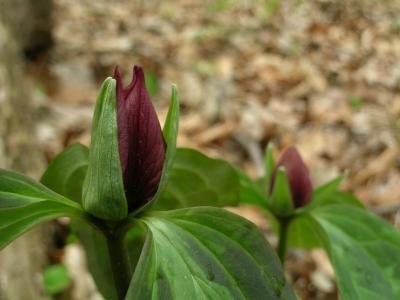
x=206 y=253
x=250 y=191
x=302 y=232
x=281 y=198
x=17 y=190
x=197 y=180
x=336 y=197
x=328 y=194
x=170 y=132
x=103 y=188
x=25 y=203
x=328 y=188
x=67 y=171
x=56 y=279
x=17 y=220
x=364 y=251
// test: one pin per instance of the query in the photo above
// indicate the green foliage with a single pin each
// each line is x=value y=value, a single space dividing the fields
x=364 y=251
x=302 y=231
x=152 y=84
x=251 y=192
x=191 y=184
x=66 y=172
x=281 y=198
x=194 y=252
x=17 y=190
x=328 y=193
x=17 y=220
x=206 y=253
x=25 y=203
x=269 y=166
x=103 y=189
x=56 y=279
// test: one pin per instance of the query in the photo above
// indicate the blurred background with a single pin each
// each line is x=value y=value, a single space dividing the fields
x=323 y=75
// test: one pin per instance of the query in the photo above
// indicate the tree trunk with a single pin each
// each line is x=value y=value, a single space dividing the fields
x=22 y=262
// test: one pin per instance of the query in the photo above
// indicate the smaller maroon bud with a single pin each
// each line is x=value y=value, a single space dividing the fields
x=140 y=140
x=297 y=174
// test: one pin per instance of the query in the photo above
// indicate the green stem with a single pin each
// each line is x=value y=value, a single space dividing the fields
x=120 y=265
x=283 y=226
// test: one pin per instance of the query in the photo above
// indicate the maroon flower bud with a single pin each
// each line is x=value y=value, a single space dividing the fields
x=141 y=143
x=298 y=176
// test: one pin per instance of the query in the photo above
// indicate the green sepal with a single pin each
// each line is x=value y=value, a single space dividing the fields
x=103 y=188
x=281 y=198
x=269 y=164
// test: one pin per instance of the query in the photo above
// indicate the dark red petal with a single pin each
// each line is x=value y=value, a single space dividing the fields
x=298 y=176
x=141 y=143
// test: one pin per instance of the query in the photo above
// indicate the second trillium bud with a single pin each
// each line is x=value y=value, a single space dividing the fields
x=290 y=184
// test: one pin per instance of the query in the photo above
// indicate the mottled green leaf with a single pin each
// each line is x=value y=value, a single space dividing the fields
x=206 y=253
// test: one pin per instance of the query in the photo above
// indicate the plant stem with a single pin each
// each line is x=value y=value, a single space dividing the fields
x=120 y=265
x=283 y=226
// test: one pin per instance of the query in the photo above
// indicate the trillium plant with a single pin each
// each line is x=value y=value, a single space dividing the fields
x=151 y=217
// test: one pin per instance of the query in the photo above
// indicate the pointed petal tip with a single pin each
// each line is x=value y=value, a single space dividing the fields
x=138 y=74
x=117 y=73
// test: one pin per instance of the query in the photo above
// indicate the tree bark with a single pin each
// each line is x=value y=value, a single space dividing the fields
x=22 y=262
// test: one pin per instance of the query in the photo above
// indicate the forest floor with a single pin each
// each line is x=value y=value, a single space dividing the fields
x=322 y=75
